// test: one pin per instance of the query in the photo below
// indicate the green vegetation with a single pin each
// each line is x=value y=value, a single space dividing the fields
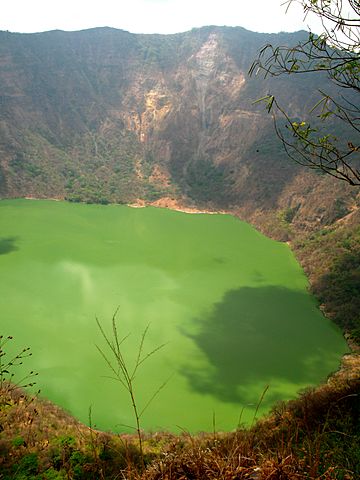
x=207 y=182
x=333 y=258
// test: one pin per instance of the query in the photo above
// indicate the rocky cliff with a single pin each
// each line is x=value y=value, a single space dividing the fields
x=105 y=115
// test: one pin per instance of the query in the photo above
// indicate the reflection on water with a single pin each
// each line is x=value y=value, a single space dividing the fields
x=8 y=245
x=81 y=274
x=260 y=336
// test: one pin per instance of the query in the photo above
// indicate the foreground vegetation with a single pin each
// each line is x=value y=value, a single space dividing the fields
x=316 y=436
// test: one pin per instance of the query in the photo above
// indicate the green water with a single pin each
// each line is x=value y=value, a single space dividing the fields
x=230 y=305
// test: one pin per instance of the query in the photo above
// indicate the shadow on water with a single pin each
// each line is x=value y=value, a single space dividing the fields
x=258 y=336
x=7 y=245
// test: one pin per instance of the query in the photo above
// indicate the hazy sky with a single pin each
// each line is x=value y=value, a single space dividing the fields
x=149 y=16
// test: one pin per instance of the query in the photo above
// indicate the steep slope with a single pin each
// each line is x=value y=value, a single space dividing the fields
x=107 y=115
x=104 y=115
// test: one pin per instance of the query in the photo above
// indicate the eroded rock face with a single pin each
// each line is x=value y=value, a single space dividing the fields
x=105 y=115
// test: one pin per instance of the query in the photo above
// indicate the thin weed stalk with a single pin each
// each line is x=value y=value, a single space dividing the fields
x=7 y=376
x=258 y=404
x=94 y=447
x=122 y=373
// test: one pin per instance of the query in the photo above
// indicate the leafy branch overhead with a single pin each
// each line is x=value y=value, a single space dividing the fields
x=335 y=53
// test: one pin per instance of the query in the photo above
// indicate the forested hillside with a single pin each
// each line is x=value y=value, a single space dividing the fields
x=105 y=115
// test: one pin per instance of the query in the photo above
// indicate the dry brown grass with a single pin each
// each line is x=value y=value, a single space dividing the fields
x=315 y=437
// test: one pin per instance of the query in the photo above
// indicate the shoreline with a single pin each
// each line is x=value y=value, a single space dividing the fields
x=173 y=204
x=163 y=202
x=36 y=198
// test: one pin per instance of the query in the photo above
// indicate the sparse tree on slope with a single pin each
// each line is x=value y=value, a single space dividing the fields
x=336 y=52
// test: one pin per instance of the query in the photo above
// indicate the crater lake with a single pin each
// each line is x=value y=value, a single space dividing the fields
x=229 y=307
